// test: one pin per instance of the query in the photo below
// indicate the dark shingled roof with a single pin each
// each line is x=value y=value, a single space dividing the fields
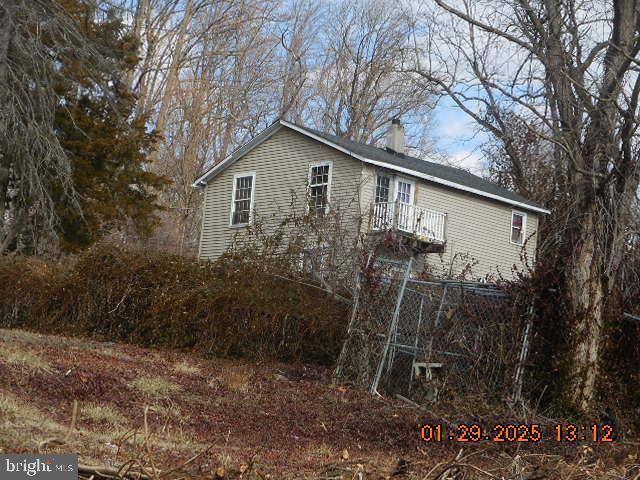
x=443 y=172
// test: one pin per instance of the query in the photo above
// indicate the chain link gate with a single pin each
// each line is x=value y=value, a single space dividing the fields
x=427 y=339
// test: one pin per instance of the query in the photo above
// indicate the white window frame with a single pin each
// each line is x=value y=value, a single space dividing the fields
x=329 y=182
x=390 y=193
x=404 y=180
x=524 y=227
x=233 y=199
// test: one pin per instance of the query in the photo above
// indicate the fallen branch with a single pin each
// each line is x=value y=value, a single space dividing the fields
x=477 y=469
x=74 y=419
x=57 y=442
x=100 y=472
x=187 y=462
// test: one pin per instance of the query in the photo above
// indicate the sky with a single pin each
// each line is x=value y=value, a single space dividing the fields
x=456 y=135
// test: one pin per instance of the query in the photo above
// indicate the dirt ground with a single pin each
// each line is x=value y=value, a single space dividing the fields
x=189 y=416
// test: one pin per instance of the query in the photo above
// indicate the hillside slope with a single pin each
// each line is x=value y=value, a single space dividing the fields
x=280 y=420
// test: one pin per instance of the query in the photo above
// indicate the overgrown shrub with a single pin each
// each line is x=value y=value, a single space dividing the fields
x=26 y=285
x=233 y=307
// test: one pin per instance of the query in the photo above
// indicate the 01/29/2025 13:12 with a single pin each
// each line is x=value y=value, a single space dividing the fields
x=518 y=433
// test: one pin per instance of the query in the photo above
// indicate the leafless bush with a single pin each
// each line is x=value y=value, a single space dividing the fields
x=233 y=307
x=323 y=249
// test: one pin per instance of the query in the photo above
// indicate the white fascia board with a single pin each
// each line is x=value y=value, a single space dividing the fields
x=415 y=173
x=202 y=180
x=457 y=186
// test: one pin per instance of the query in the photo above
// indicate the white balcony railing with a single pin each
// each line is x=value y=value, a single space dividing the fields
x=424 y=224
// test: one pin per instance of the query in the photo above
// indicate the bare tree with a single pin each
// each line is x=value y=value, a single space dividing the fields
x=522 y=161
x=213 y=74
x=358 y=83
x=570 y=68
x=298 y=33
x=172 y=74
x=224 y=90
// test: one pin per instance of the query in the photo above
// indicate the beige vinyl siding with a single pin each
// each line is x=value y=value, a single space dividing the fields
x=477 y=227
x=368 y=192
x=281 y=165
x=480 y=228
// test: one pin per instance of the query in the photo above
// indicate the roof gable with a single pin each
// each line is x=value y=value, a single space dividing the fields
x=237 y=154
x=434 y=172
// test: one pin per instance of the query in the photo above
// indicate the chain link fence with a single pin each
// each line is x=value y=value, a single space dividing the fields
x=432 y=340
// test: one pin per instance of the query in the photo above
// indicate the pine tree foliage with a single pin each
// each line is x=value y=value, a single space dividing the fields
x=72 y=154
x=108 y=145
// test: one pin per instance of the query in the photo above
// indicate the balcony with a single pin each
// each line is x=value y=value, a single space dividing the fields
x=425 y=226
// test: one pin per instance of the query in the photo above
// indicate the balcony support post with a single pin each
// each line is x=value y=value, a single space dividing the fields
x=396 y=212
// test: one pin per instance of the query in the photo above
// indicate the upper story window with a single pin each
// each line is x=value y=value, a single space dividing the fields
x=518 y=227
x=242 y=199
x=319 y=187
x=383 y=186
x=405 y=191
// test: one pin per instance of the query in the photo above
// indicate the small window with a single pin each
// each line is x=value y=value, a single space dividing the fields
x=242 y=199
x=518 y=227
x=383 y=183
x=319 y=188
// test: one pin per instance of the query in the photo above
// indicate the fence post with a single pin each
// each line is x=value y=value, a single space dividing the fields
x=392 y=327
x=356 y=302
x=415 y=340
x=524 y=352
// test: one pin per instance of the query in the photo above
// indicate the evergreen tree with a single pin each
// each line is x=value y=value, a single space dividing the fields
x=107 y=144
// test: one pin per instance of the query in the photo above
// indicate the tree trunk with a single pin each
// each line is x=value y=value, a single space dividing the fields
x=586 y=292
x=6 y=32
x=138 y=20
x=172 y=77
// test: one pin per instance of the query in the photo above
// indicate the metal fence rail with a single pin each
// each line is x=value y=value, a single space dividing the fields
x=428 y=339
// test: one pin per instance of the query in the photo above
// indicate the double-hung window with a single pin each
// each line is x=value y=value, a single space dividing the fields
x=518 y=227
x=319 y=188
x=242 y=199
x=383 y=184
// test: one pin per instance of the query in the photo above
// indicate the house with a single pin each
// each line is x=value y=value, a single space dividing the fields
x=451 y=214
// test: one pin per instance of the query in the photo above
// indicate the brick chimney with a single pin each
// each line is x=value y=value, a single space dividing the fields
x=395 y=136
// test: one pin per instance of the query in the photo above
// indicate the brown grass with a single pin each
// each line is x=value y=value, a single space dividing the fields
x=156 y=387
x=186 y=368
x=24 y=358
x=102 y=413
x=237 y=378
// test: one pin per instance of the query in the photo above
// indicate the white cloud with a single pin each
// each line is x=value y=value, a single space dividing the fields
x=470 y=160
x=452 y=127
x=457 y=137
